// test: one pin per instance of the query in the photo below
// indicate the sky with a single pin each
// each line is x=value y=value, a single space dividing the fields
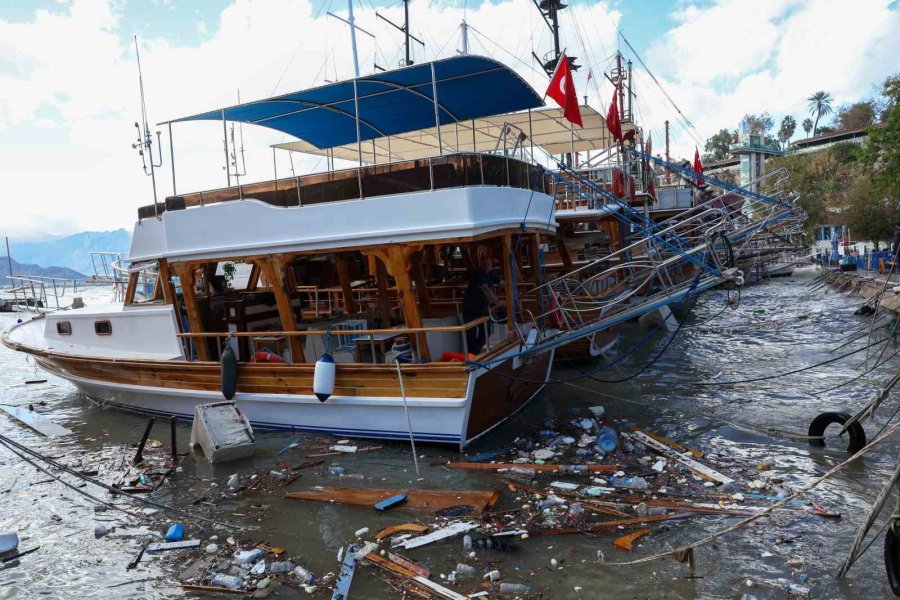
x=70 y=94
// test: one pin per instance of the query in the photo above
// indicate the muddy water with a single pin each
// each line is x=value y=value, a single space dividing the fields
x=778 y=326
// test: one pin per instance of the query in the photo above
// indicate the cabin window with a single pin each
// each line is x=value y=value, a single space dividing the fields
x=102 y=328
x=63 y=328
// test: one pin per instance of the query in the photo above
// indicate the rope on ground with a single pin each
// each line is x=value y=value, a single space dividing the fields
x=9 y=443
x=686 y=553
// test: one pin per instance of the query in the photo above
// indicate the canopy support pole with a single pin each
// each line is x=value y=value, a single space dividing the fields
x=530 y=135
x=172 y=158
x=358 y=137
x=225 y=146
x=437 y=114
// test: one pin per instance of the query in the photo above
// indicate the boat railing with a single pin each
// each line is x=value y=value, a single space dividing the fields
x=368 y=338
x=425 y=174
x=33 y=293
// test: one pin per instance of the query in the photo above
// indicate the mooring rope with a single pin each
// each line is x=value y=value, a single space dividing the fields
x=412 y=440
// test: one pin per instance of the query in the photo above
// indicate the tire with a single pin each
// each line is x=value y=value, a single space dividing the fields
x=821 y=423
x=892 y=558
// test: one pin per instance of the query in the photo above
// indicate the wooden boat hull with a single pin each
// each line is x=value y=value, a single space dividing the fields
x=589 y=347
x=448 y=403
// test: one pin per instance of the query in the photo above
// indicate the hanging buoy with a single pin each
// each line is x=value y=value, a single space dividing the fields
x=323 y=378
x=892 y=557
x=229 y=372
x=820 y=424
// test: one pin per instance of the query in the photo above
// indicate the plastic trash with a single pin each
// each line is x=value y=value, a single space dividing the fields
x=234 y=482
x=597 y=411
x=336 y=470
x=551 y=500
x=465 y=570
x=263 y=583
x=522 y=471
x=492 y=575
x=278 y=474
x=247 y=556
x=576 y=510
x=281 y=567
x=513 y=588
x=631 y=483
x=226 y=581
x=259 y=568
x=584 y=452
x=607 y=440
x=175 y=533
x=361 y=532
x=212 y=549
x=303 y=575
x=467 y=542
x=490 y=543
x=100 y=530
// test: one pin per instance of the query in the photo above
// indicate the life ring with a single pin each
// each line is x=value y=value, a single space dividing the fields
x=264 y=356
x=229 y=372
x=892 y=557
x=820 y=424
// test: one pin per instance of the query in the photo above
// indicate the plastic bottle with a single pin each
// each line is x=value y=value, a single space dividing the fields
x=521 y=471
x=467 y=542
x=513 y=588
x=550 y=501
x=226 y=581
x=336 y=470
x=584 y=452
x=281 y=567
x=607 y=440
x=234 y=481
x=637 y=483
x=303 y=575
x=248 y=556
x=576 y=510
x=465 y=570
x=489 y=543
x=492 y=575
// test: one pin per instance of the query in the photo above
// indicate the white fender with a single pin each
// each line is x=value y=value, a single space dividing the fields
x=323 y=378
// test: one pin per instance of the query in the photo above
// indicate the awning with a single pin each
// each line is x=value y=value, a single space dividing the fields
x=547 y=126
x=390 y=103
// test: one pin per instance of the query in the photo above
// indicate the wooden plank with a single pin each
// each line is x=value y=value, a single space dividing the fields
x=273 y=268
x=441 y=534
x=44 y=426
x=627 y=541
x=343 y=268
x=384 y=301
x=132 y=288
x=570 y=469
x=417 y=500
x=404 y=527
x=512 y=308
x=345 y=575
x=680 y=447
x=695 y=467
x=398 y=257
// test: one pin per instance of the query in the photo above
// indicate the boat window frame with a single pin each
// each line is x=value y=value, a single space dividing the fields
x=101 y=322
x=61 y=325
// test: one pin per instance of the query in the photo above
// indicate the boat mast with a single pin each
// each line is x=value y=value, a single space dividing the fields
x=144 y=141
x=464 y=37
x=405 y=31
x=351 y=21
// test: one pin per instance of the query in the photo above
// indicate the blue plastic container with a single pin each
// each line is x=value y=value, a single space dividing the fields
x=607 y=440
x=175 y=533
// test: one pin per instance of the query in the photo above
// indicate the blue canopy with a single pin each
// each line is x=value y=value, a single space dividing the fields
x=390 y=103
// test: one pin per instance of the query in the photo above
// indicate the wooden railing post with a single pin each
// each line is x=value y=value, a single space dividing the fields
x=185 y=272
x=273 y=268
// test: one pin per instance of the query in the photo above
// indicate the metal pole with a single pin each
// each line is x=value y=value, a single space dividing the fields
x=275 y=167
x=437 y=116
x=172 y=158
x=530 y=136
x=353 y=38
x=464 y=34
x=668 y=178
x=358 y=137
x=630 y=94
x=9 y=261
x=225 y=143
x=406 y=28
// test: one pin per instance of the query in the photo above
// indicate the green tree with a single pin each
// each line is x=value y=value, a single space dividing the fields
x=807 y=126
x=819 y=104
x=882 y=153
x=786 y=131
x=757 y=124
x=868 y=214
x=717 y=146
x=858 y=115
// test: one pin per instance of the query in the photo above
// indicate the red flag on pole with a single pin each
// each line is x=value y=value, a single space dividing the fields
x=648 y=147
x=562 y=89
x=698 y=166
x=612 y=120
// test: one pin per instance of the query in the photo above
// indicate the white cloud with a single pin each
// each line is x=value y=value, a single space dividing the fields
x=735 y=57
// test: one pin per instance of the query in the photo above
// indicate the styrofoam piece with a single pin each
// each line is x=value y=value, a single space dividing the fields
x=222 y=431
x=9 y=542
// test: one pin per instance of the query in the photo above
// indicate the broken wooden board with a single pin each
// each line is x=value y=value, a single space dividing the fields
x=409 y=565
x=43 y=426
x=695 y=467
x=680 y=447
x=419 y=580
x=440 y=534
x=417 y=500
x=345 y=576
x=403 y=528
x=627 y=541
x=163 y=546
x=568 y=469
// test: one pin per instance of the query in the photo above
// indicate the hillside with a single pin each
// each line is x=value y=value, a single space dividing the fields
x=71 y=252
x=30 y=269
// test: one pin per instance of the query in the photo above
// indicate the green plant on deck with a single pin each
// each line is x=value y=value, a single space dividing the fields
x=228 y=270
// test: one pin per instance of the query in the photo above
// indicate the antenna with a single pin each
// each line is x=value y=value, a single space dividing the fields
x=242 y=171
x=464 y=37
x=549 y=9
x=353 y=28
x=404 y=30
x=144 y=143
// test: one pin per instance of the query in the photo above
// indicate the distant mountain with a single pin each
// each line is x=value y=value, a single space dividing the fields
x=20 y=269
x=72 y=252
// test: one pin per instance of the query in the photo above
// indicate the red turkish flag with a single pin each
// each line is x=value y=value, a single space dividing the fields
x=562 y=89
x=613 y=123
x=698 y=166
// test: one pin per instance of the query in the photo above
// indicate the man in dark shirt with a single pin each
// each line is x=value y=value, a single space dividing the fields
x=477 y=302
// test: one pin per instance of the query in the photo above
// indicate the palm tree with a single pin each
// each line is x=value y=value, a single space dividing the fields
x=807 y=126
x=786 y=131
x=819 y=104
